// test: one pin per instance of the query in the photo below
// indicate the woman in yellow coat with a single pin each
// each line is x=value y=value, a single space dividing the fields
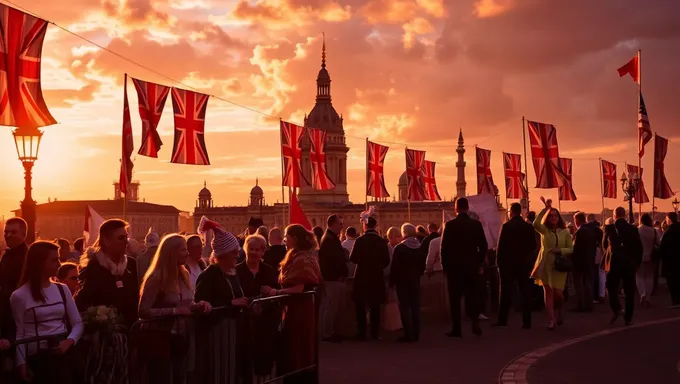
x=555 y=240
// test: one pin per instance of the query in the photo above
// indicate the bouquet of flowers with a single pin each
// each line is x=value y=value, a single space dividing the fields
x=100 y=318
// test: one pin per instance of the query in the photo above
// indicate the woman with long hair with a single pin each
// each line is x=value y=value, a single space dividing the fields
x=555 y=242
x=44 y=308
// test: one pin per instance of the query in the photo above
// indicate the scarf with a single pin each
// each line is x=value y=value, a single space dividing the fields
x=302 y=268
x=106 y=263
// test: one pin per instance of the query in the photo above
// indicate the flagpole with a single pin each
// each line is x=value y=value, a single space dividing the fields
x=122 y=159
x=366 y=191
x=639 y=141
x=283 y=171
x=526 y=166
x=408 y=192
x=654 y=184
x=602 y=187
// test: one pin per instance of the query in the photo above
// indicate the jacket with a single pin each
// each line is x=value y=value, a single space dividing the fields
x=11 y=266
x=274 y=255
x=670 y=252
x=464 y=245
x=516 y=246
x=332 y=258
x=622 y=240
x=371 y=256
x=408 y=263
x=585 y=248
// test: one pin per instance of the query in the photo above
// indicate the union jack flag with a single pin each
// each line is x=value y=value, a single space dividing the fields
x=320 y=178
x=485 y=183
x=641 y=196
x=189 y=144
x=430 y=184
x=514 y=178
x=609 y=182
x=375 y=173
x=291 y=152
x=644 y=129
x=545 y=155
x=566 y=191
x=151 y=102
x=126 y=164
x=22 y=103
x=662 y=190
x=415 y=164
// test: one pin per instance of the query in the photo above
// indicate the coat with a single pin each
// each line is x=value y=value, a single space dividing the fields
x=11 y=266
x=332 y=258
x=371 y=256
x=585 y=248
x=670 y=252
x=544 y=268
x=408 y=263
x=516 y=245
x=464 y=246
x=622 y=241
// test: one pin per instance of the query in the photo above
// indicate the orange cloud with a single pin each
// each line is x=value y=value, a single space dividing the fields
x=415 y=27
x=490 y=8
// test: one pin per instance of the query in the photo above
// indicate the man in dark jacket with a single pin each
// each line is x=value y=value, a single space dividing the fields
x=623 y=242
x=463 y=253
x=276 y=251
x=11 y=265
x=585 y=248
x=516 y=246
x=670 y=256
x=333 y=263
x=371 y=256
x=433 y=234
x=596 y=228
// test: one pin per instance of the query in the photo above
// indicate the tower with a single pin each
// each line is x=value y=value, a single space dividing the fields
x=323 y=116
x=205 y=200
x=256 y=196
x=460 y=164
x=131 y=195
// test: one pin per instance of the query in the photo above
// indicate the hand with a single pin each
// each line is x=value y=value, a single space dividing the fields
x=25 y=374
x=4 y=344
x=556 y=251
x=201 y=307
x=240 y=302
x=183 y=311
x=63 y=346
x=267 y=290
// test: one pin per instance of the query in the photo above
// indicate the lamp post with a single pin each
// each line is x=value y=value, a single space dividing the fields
x=676 y=204
x=629 y=186
x=27 y=141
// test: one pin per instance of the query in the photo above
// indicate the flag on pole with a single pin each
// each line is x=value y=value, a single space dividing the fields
x=609 y=181
x=375 y=170
x=297 y=215
x=429 y=182
x=320 y=179
x=514 y=178
x=644 y=129
x=631 y=68
x=485 y=183
x=21 y=100
x=126 y=164
x=662 y=190
x=151 y=102
x=415 y=164
x=92 y=223
x=566 y=191
x=291 y=152
x=545 y=155
x=641 y=196
x=189 y=142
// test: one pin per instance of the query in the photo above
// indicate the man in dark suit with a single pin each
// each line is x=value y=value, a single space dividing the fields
x=599 y=234
x=516 y=246
x=11 y=266
x=333 y=263
x=623 y=242
x=463 y=252
x=585 y=247
x=433 y=234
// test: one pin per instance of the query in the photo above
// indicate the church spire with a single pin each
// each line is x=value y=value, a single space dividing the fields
x=323 y=80
x=323 y=51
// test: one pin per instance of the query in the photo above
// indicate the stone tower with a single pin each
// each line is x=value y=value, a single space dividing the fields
x=461 y=185
x=323 y=116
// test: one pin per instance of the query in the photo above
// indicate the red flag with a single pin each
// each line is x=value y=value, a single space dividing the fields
x=609 y=181
x=644 y=129
x=189 y=143
x=485 y=183
x=662 y=190
x=514 y=178
x=429 y=182
x=566 y=191
x=297 y=215
x=545 y=155
x=151 y=102
x=22 y=103
x=631 y=68
x=415 y=164
x=126 y=164
x=641 y=196
x=317 y=155
x=375 y=174
x=291 y=152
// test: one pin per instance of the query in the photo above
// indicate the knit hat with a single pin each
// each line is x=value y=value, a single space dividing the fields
x=152 y=239
x=222 y=241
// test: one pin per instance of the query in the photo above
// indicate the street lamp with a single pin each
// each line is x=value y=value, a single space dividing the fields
x=676 y=204
x=630 y=185
x=27 y=141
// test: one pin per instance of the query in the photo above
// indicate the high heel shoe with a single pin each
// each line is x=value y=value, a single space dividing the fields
x=551 y=325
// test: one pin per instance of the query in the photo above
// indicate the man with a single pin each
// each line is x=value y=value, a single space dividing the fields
x=371 y=256
x=151 y=241
x=624 y=244
x=599 y=275
x=333 y=263
x=516 y=246
x=65 y=253
x=583 y=258
x=11 y=265
x=348 y=244
x=670 y=256
x=276 y=251
x=463 y=253
x=433 y=233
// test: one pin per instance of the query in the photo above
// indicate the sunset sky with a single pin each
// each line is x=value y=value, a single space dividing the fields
x=408 y=71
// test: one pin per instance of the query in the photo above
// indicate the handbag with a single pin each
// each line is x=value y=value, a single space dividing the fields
x=562 y=264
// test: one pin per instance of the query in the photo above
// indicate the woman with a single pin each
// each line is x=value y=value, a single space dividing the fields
x=391 y=315
x=644 y=276
x=253 y=274
x=43 y=308
x=67 y=274
x=195 y=263
x=408 y=264
x=166 y=290
x=300 y=272
x=555 y=242
x=217 y=334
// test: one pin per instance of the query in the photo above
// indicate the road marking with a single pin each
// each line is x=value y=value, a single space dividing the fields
x=515 y=372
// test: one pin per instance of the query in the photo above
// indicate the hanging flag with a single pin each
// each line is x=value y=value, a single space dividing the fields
x=631 y=68
x=126 y=164
x=189 y=144
x=545 y=155
x=514 y=178
x=415 y=164
x=662 y=190
x=485 y=183
x=22 y=103
x=92 y=223
x=297 y=215
x=375 y=170
x=641 y=196
x=429 y=182
x=609 y=181
x=644 y=129
x=291 y=140
x=566 y=191
x=151 y=102
x=320 y=179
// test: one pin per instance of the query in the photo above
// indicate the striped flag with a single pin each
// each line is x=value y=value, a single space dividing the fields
x=514 y=178
x=545 y=155
x=291 y=152
x=320 y=179
x=609 y=181
x=151 y=102
x=429 y=182
x=644 y=129
x=415 y=164
x=485 y=183
x=662 y=190
x=189 y=143
x=375 y=170
x=566 y=191
x=641 y=196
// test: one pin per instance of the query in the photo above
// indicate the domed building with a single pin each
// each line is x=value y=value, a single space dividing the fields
x=205 y=200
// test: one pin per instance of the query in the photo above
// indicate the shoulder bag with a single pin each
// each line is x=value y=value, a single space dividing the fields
x=562 y=263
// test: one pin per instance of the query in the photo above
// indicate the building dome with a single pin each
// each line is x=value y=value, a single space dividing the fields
x=256 y=191
x=403 y=180
x=205 y=193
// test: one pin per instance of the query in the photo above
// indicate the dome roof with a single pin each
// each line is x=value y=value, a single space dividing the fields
x=403 y=179
x=257 y=191
x=204 y=193
x=323 y=77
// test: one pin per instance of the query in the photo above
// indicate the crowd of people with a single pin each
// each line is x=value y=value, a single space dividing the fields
x=171 y=310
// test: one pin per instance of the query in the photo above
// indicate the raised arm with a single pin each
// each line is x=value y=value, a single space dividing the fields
x=538 y=221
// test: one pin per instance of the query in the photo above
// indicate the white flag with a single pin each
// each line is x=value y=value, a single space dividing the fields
x=92 y=223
